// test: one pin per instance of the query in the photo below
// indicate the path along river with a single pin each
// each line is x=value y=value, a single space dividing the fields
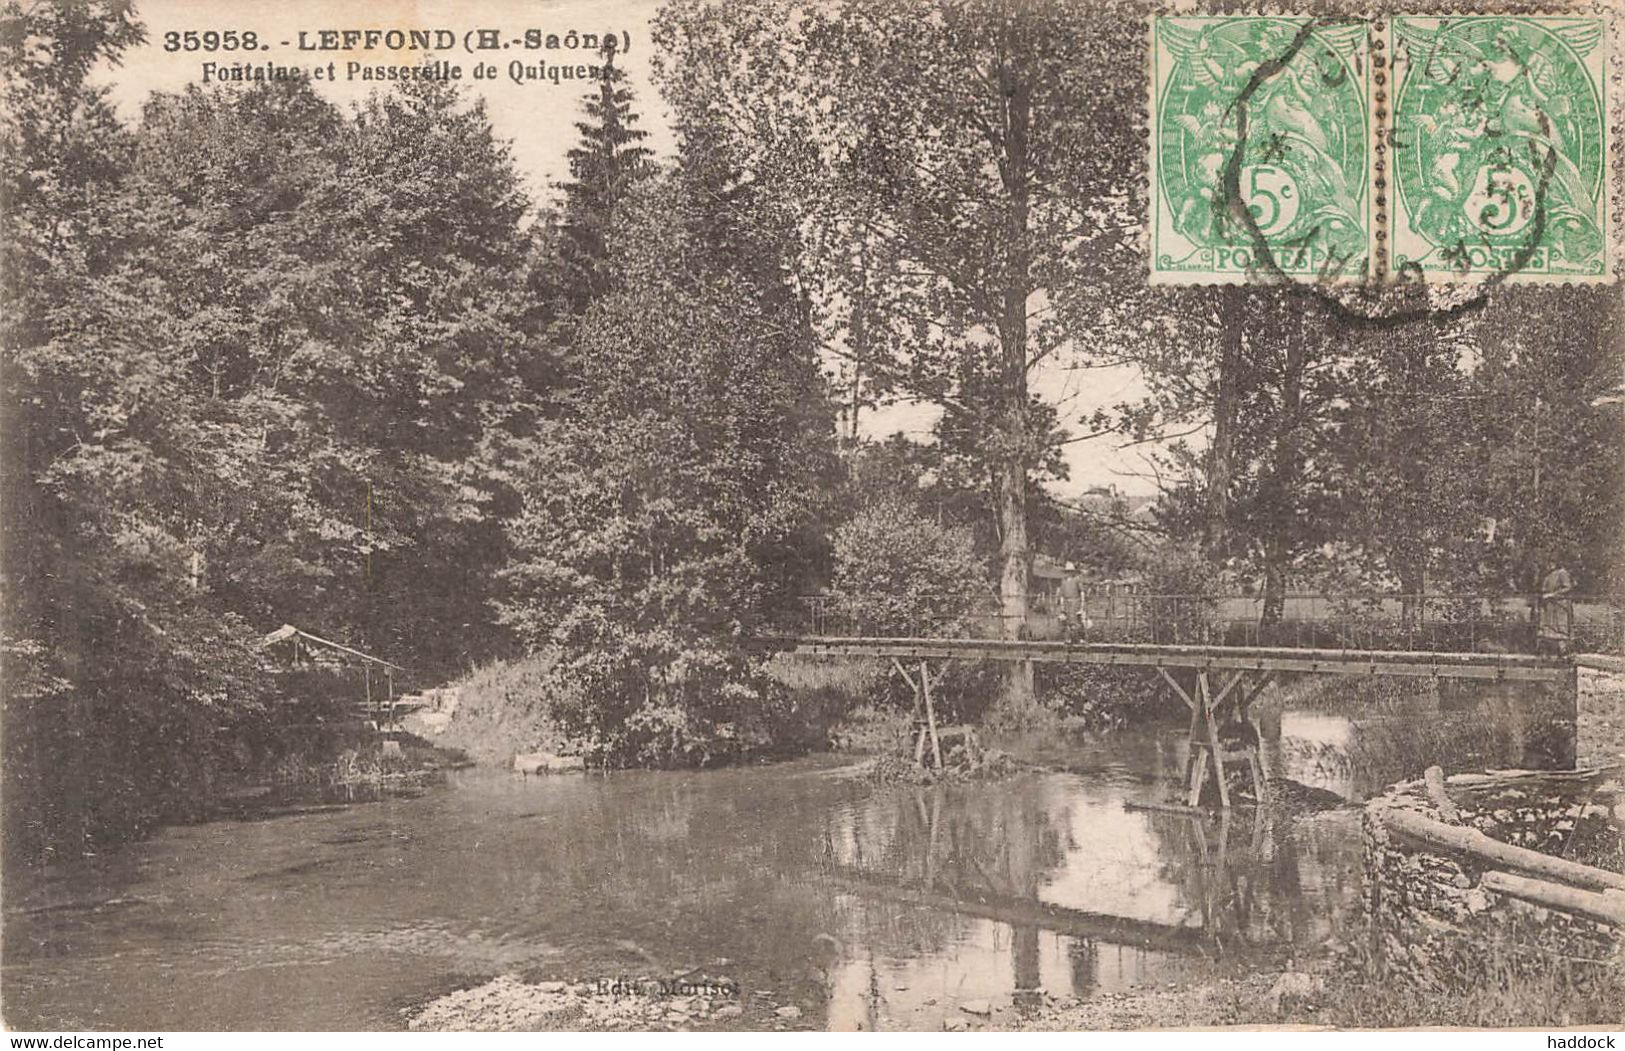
x=861 y=905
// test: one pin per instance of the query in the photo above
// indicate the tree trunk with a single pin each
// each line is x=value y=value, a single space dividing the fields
x=860 y=340
x=1412 y=586
x=1274 y=585
x=1233 y=307
x=1285 y=468
x=1015 y=555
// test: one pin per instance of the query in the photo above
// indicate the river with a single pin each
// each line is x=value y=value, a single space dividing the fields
x=863 y=905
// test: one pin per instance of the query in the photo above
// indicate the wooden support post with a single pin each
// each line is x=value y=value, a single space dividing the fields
x=1205 y=695
x=1198 y=773
x=1180 y=690
x=930 y=713
x=1225 y=692
x=1257 y=770
x=920 y=720
x=1196 y=724
x=1568 y=694
x=1244 y=706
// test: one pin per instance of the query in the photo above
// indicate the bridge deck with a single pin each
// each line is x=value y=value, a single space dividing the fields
x=1507 y=666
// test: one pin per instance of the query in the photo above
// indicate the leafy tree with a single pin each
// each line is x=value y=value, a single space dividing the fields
x=443 y=363
x=253 y=377
x=1264 y=497
x=938 y=225
x=1402 y=468
x=1539 y=439
x=122 y=692
x=349 y=319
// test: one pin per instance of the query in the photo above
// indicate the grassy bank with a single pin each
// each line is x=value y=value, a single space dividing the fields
x=502 y=710
x=358 y=757
x=808 y=705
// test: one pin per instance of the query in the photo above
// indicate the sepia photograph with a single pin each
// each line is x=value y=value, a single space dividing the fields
x=660 y=516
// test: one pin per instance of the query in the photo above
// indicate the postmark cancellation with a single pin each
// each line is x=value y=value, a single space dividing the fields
x=1450 y=148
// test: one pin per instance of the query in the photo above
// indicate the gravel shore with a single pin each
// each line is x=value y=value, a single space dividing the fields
x=512 y=1004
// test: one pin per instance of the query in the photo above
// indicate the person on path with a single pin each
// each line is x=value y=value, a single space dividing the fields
x=1556 y=621
x=1072 y=603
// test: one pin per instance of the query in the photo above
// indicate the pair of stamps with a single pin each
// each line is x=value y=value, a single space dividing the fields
x=1430 y=149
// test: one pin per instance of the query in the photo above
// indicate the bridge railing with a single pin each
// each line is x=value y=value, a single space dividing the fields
x=1433 y=622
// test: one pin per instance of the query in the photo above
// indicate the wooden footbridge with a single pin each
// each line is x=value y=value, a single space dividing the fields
x=1220 y=682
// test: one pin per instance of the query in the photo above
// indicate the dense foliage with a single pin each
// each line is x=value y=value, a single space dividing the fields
x=675 y=504
x=255 y=350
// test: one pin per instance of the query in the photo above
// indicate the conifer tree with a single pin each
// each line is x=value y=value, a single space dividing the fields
x=609 y=161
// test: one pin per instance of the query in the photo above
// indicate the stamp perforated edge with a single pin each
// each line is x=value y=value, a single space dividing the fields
x=1614 y=118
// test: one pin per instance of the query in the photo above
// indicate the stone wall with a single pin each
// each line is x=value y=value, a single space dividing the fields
x=1437 y=876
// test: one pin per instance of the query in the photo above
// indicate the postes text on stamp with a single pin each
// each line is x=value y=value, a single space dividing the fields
x=1500 y=148
x=1270 y=114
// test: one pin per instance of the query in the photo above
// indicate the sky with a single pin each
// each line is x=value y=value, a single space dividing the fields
x=538 y=118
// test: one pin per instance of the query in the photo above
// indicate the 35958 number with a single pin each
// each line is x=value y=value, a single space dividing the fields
x=211 y=40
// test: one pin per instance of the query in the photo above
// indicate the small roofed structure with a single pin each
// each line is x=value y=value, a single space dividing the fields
x=303 y=647
x=297 y=650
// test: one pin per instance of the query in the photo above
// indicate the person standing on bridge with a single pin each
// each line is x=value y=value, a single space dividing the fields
x=1072 y=603
x=1556 y=621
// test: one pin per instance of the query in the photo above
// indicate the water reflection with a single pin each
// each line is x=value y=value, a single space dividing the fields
x=867 y=907
x=1054 y=884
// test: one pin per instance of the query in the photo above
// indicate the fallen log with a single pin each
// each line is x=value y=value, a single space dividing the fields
x=1433 y=778
x=1472 y=842
x=1512 y=778
x=1607 y=907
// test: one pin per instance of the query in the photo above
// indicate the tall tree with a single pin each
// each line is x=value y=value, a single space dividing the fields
x=674 y=508
x=118 y=681
x=956 y=144
x=605 y=167
x=258 y=366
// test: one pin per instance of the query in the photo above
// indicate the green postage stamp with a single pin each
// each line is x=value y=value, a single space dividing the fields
x=1458 y=148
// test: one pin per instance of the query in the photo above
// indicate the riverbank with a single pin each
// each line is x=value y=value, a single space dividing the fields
x=511 y=1004
x=363 y=757
x=1329 y=994
x=1342 y=996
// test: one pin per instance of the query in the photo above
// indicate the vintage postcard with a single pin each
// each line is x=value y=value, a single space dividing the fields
x=912 y=516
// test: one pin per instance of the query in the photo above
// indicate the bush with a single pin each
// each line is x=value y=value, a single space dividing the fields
x=650 y=700
x=1192 y=617
x=1097 y=697
x=900 y=573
